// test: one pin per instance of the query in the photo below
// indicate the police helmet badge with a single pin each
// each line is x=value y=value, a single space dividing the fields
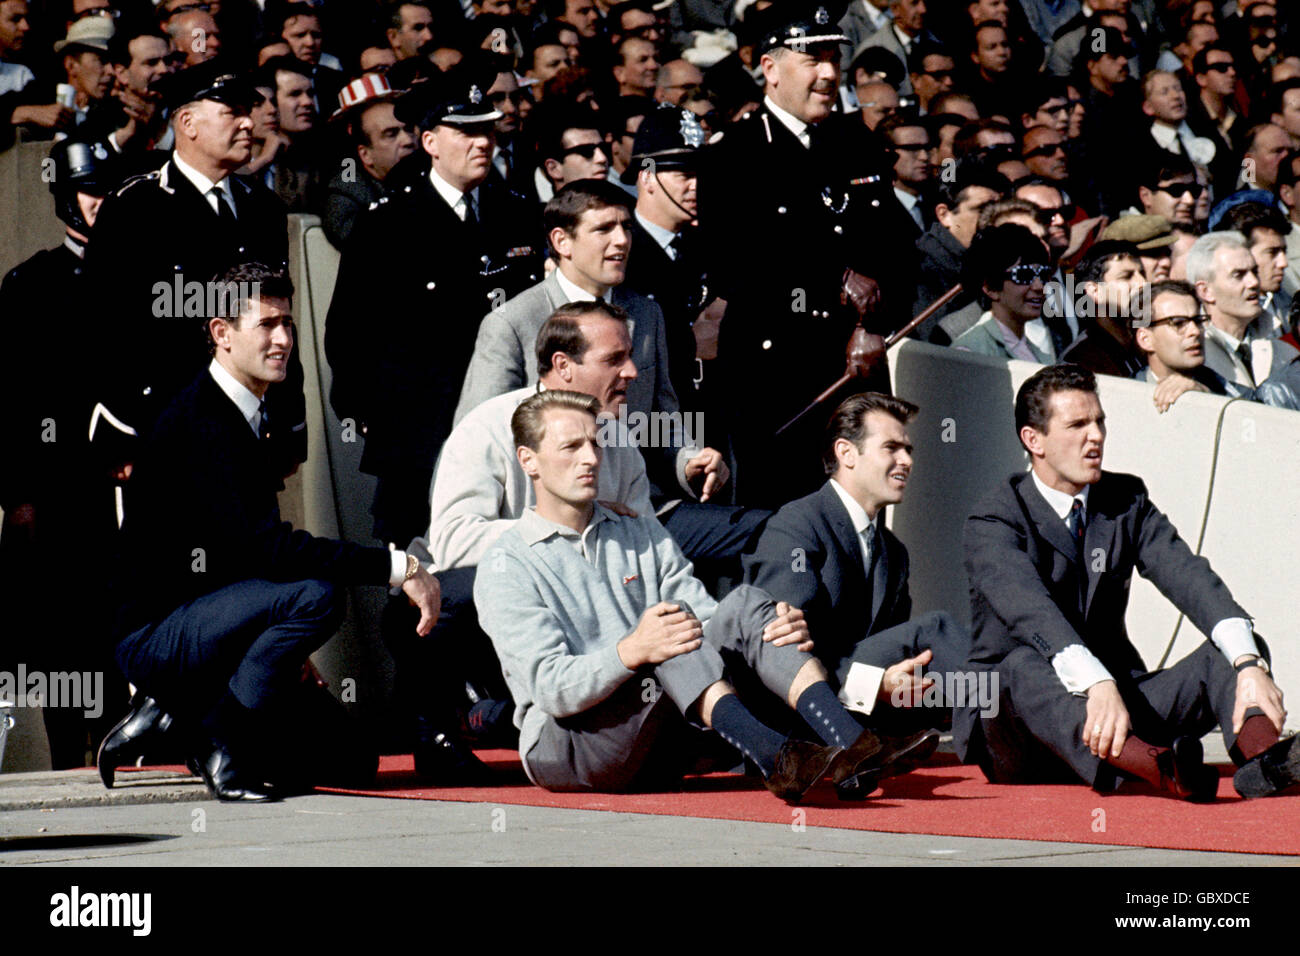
x=822 y=17
x=475 y=95
x=691 y=130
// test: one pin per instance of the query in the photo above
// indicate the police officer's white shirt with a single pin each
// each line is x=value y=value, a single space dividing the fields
x=912 y=203
x=205 y=186
x=572 y=291
x=453 y=196
x=659 y=234
x=790 y=122
x=249 y=406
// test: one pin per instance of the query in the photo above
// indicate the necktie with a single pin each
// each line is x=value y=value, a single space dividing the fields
x=471 y=214
x=224 y=211
x=264 y=426
x=674 y=248
x=1247 y=359
x=1077 y=522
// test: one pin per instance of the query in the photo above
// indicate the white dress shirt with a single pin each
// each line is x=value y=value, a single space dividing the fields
x=660 y=235
x=1182 y=140
x=912 y=203
x=862 y=683
x=574 y=292
x=453 y=196
x=790 y=122
x=206 y=186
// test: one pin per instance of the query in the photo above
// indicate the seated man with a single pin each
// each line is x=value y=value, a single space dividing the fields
x=221 y=602
x=1050 y=556
x=850 y=574
x=606 y=637
x=1110 y=277
x=1008 y=268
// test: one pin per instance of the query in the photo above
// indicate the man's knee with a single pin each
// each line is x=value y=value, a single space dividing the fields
x=321 y=600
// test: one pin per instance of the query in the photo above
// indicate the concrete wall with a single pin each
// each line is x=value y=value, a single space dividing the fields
x=27 y=220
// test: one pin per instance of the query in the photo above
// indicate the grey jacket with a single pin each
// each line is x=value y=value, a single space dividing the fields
x=505 y=355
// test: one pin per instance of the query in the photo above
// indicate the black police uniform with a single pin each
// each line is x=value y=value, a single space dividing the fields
x=784 y=222
x=414 y=282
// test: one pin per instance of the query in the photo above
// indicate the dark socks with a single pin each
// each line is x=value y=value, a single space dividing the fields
x=746 y=733
x=824 y=713
x=1257 y=735
x=1142 y=760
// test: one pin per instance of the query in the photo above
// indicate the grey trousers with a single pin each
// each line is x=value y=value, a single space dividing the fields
x=639 y=738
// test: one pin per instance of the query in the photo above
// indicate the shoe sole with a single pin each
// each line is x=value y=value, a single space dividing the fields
x=862 y=784
x=1251 y=782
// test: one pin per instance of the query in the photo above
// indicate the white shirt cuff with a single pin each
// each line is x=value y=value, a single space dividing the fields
x=397 y=573
x=684 y=455
x=861 y=687
x=1079 y=669
x=1234 y=637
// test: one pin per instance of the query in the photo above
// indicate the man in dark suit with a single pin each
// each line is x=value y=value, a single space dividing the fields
x=161 y=237
x=807 y=195
x=439 y=251
x=830 y=555
x=1050 y=556
x=219 y=601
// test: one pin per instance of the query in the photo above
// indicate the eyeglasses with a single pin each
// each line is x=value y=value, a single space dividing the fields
x=1047 y=149
x=1179 y=322
x=1056 y=110
x=1026 y=273
x=1066 y=212
x=514 y=96
x=1223 y=67
x=1179 y=190
x=912 y=147
x=939 y=75
x=588 y=150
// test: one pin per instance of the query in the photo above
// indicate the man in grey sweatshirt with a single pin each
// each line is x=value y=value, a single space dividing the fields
x=613 y=650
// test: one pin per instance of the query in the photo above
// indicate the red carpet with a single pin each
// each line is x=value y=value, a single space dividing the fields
x=946 y=800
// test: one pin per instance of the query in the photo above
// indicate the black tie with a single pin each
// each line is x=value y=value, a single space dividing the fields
x=471 y=214
x=1077 y=522
x=1243 y=353
x=224 y=212
x=264 y=429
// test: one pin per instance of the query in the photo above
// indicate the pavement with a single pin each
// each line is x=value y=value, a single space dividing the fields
x=164 y=819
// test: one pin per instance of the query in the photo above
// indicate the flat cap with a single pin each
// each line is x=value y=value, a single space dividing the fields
x=1145 y=232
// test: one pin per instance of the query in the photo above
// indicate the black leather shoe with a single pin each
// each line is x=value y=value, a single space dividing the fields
x=893 y=756
x=1269 y=773
x=799 y=765
x=1183 y=765
x=225 y=782
x=446 y=761
x=130 y=736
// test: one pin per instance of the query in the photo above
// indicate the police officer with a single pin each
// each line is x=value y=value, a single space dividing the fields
x=422 y=266
x=56 y=491
x=666 y=262
x=796 y=201
x=163 y=236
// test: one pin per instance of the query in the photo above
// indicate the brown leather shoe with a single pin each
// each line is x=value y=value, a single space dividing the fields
x=894 y=756
x=799 y=765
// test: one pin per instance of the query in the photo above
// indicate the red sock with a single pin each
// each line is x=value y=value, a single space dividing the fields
x=1257 y=735
x=1140 y=759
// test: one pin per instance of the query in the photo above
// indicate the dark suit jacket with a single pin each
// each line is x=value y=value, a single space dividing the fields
x=808 y=555
x=205 y=481
x=1024 y=576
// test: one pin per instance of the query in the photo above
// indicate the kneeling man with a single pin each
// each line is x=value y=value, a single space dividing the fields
x=1050 y=555
x=612 y=649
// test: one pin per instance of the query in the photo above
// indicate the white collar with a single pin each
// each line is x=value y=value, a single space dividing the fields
x=447 y=191
x=1227 y=339
x=201 y=182
x=905 y=40
x=1165 y=135
x=1059 y=501
x=907 y=199
x=876 y=17
x=572 y=291
x=789 y=121
x=75 y=247
x=249 y=405
x=857 y=513
x=658 y=233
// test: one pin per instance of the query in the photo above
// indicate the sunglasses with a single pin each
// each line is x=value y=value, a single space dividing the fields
x=1026 y=273
x=514 y=96
x=939 y=75
x=1047 y=149
x=588 y=150
x=1179 y=322
x=1066 y=212
x=1179 y=190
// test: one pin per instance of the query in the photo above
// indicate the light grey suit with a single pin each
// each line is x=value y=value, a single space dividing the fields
x=858 y=27
x=887 y=38
x=505 y=355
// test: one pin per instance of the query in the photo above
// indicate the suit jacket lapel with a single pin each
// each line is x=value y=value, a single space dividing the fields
x=1098 y=539
x=1050 y=525
x=628 y=303
x=881 y=570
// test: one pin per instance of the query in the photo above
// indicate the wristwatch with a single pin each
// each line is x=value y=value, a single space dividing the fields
x=412 y=566
x=1253 y=662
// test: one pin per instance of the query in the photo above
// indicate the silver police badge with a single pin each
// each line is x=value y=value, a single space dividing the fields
x=100 y=152
x=691 y=130
x=475 y=95
x=822 y=17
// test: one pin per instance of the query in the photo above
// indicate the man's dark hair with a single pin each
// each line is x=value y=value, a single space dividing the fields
x=1277 y=95
x=1201 y=61
x=561 y=332
x=995 y=250
x=626 y=107
x=964 y=143
x=1042 y=90
x=554 y=123
x=1168 y=287
x=238 y=285
x=565 y=208
x=920 y=50
x=1287 y=174
x=1112 y=44
x=950 y=191
x=849 y=421
x=1093 y=266
x=287 y=12
x=900 y=120
x=1033 y=400
x=1165 y=166
x=394 y=13
x=1247 y=217
x=287 y=64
